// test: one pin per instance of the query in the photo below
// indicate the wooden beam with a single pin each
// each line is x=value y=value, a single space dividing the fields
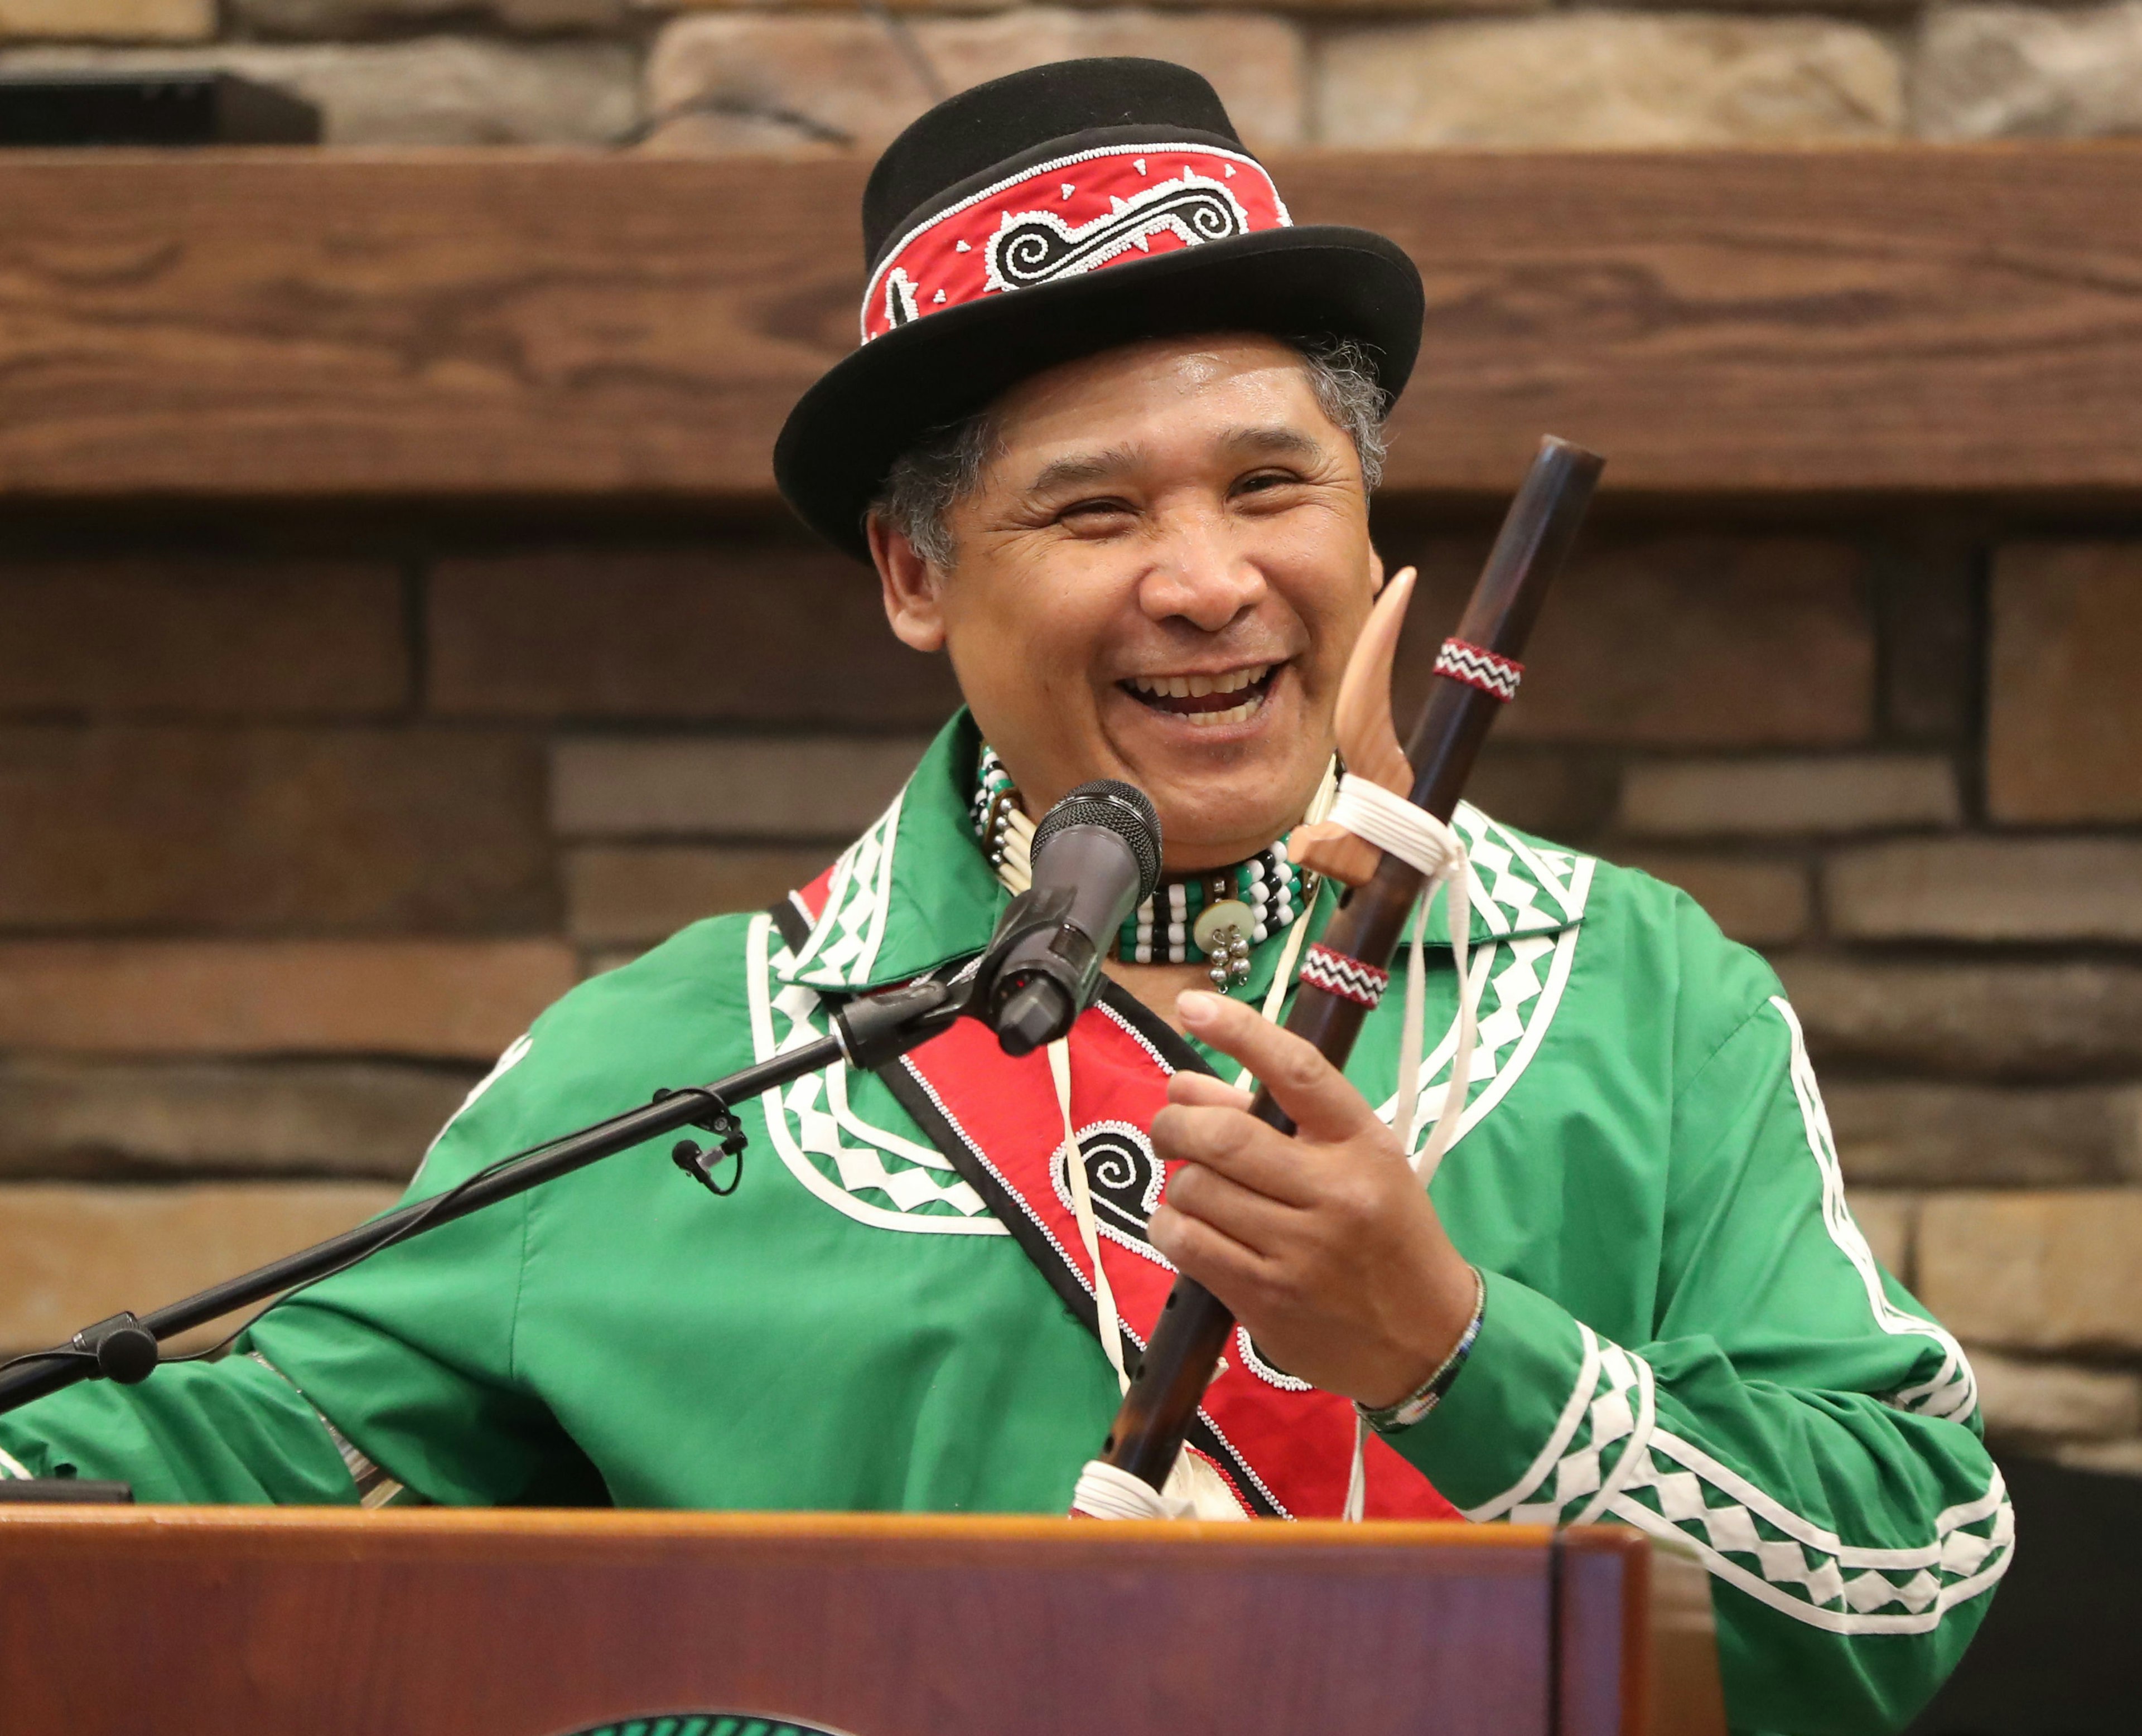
x=511 y=324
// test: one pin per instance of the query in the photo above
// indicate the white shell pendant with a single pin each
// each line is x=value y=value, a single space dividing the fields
x=1222 y=932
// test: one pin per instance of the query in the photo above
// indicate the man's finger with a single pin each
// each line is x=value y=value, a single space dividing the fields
x=1205 y=1092
x=1239 y=1146
x=1254 y=1220
x=1225 y=1267
x=1323 y=1103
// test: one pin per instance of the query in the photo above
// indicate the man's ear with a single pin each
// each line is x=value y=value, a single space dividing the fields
x=910 y=585
x=1375 y=572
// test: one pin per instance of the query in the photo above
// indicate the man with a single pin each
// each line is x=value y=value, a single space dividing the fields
x=1108 y=444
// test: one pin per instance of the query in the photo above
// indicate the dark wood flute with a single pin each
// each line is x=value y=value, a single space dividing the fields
x=1193 y=1333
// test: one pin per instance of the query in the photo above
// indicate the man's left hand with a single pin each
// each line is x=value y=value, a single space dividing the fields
x=1323 y=1244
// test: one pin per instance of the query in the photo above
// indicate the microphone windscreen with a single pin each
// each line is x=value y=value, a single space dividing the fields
x=1113 y=806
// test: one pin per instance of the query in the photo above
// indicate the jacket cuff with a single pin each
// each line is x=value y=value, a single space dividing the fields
x=1505 y=1438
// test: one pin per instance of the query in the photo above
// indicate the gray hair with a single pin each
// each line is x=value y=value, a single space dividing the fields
x=946 y=465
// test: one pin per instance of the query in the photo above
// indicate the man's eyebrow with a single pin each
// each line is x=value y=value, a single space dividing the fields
x=1274 y=441
x=1081 y=468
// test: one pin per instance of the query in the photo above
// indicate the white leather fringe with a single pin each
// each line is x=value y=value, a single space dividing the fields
x=1105 y=1492
x=1417 y=838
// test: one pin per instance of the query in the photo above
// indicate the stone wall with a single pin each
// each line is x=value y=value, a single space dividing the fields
x=305 y=820
x=809 y=75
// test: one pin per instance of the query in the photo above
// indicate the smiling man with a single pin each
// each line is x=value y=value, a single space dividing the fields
x=1108 y=445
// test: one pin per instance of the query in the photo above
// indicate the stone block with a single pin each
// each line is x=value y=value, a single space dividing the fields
x=75 y=1254
x=1623 y=79
x=61 y=1118
x=2012 y=71
x=1971 y=1021
x=1778 y=797
x=119 y=21
x=437 y=90
x=203 y=637
x=2052 y=1272
x=2127 y=1134
x=2038 y=1400
x=761 y=633
x=829 y=788
x=1888 y=1222
x=2110 y=1458
x=2063 y=708
x=444 y=999
x=1682 y=641
x=1980 y=888
x=1556 y=792
x=1758 y=902
x=273 y=829
x=343 y=20
x=1919 y=1134
x=752 y=79
x=618 y=895
x=1928 y=597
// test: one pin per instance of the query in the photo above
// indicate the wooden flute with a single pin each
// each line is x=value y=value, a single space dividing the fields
x=1537 y=533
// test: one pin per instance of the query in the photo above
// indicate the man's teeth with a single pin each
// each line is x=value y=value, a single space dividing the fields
x=1234 y=714
x=1196 y=686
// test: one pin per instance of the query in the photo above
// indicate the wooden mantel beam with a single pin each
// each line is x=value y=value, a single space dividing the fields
x=515 y=324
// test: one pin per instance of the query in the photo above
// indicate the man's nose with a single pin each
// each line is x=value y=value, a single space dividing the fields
x=1200 y=575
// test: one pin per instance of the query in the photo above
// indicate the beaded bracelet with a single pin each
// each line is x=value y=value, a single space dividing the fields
x=1391 y=1418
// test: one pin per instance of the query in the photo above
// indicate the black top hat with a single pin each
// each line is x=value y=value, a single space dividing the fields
x=1048 y=215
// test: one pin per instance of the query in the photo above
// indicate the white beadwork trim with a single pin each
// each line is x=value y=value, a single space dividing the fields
x=1953 y=1392
x=757 y=974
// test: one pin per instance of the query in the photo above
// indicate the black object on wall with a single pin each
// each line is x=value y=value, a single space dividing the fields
x=150 y=108
x=2057 y=1654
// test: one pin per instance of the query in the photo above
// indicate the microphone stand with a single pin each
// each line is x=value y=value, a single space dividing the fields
x=867 y=1033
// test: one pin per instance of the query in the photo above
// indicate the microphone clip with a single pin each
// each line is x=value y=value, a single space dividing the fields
x=698 y=1161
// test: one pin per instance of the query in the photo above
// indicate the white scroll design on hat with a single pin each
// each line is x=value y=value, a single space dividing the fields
x=1037 y=246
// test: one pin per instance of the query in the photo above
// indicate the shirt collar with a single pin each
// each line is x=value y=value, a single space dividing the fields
x=915 y=890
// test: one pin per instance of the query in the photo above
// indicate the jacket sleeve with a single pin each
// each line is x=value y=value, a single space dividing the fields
x=1795 y=1416
x=402 y=1365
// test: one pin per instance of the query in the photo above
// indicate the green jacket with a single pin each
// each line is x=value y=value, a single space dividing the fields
x=1684 y=1330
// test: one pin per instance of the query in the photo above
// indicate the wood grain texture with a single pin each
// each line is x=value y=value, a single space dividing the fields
x=519 y=1624
x=514 y=1623
x=512 y=323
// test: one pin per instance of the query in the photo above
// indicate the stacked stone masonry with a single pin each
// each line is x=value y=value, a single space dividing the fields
x=811 y=75
x=303 y=841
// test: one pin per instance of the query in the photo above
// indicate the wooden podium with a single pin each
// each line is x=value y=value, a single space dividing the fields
x=423 y=1623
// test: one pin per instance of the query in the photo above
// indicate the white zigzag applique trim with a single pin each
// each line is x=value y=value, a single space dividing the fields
x=841 y=949
x=1953 y=1392
x=829 y=1148
x=1518 y=1004
x=1510 y=877
x=1522 y=972
x=1670 y=1487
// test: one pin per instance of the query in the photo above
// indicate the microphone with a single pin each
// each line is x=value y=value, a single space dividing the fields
x=1095 y=858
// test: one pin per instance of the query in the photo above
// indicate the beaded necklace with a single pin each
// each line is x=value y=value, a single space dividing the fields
x=1215 y=915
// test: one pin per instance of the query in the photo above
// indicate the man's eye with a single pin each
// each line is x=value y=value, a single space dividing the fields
x=1094 y=512
x=1264 y=481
